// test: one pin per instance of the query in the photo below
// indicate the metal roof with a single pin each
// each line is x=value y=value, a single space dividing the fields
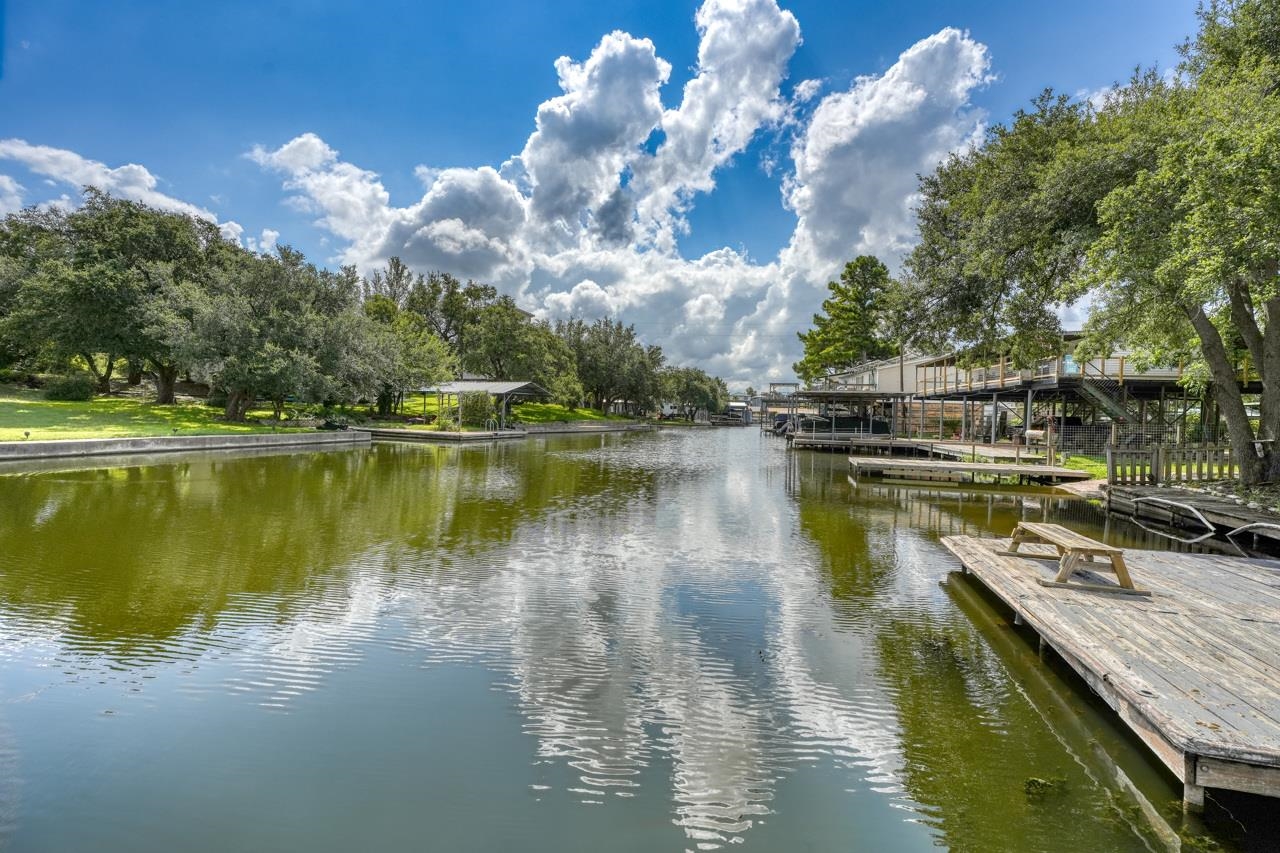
x=497 y=389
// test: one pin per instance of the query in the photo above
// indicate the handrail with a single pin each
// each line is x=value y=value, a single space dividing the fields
x=1251 y=525
x=1199 y=515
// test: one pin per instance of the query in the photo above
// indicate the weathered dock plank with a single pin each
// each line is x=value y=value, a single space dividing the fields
x=946 y=467
x=863 y=443
x=1194 y=670
x=1222 y=512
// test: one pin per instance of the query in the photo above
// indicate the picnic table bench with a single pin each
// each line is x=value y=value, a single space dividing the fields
x=1073 y=552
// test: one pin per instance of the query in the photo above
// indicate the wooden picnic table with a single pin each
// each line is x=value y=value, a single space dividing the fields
x=1073 y=552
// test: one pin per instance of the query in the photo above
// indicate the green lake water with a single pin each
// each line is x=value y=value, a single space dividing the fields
x=635 y=642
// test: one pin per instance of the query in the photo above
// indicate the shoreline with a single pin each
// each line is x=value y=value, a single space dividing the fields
x=19 y=451
x=529 y=431
x=84 y=448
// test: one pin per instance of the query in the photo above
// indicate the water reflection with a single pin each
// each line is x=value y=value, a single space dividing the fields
x=689 y=629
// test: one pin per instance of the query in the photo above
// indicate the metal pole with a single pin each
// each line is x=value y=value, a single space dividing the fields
x=995 y=416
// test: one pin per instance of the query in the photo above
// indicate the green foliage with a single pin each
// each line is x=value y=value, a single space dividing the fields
x=506 y=343
x=1162 y=205
x=100 y=282
x=853 y=325
x=448 y=307
x=475 y=408
x=612 y=364
x=691 y=389
x=74 y=386
x=115 y=282
x=402 y=354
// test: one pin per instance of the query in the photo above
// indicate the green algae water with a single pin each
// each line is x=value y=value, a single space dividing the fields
x=665 y=641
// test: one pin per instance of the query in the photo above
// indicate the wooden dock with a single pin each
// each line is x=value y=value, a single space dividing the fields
x=1193 y=670
x=864 y=444
x=1223 y=513
x=946 y=470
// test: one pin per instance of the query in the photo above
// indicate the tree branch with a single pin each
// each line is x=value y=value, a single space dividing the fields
x=1243 y=317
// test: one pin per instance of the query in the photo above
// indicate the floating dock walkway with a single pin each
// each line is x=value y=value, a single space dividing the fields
x=864 y=444
x=946 y=470
x=1193 y=670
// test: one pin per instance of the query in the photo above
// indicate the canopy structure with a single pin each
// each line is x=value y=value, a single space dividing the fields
x=503 y=392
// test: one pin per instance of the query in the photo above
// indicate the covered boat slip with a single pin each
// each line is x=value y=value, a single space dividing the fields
x=1193 y=669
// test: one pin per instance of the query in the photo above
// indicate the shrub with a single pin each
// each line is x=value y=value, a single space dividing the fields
x=12 y=376
x=474 y=408
x=76 y=386
x=446 y=424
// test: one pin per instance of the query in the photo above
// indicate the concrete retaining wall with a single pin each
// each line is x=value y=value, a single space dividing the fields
x=435 y=436
x=18 y=450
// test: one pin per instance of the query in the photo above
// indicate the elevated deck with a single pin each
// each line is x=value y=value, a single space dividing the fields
x=950 y=470
x=1193 y=670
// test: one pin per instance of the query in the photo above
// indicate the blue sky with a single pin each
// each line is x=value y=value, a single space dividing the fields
x=186 y=91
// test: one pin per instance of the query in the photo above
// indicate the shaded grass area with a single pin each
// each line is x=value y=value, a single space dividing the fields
x=1095 y=466
x=23 y=410
x=545 y=413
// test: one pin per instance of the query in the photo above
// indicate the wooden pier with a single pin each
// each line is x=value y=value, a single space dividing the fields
x=946 y=470
x=1193 y=670
x=864 y=444
x=1173 y=507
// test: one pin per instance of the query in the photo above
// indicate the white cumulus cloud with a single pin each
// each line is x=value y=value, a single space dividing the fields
x=10 y=195
x=67 y=167
x=856 y=164
x=743 y=52
x=60 y=166
x=582 y=220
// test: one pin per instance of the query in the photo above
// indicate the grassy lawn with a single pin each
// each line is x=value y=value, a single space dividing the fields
x=524 y=413
x=543 y=413
x=1096 y=466
x=23 y=410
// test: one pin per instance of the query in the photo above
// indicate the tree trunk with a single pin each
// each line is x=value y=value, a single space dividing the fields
x=135 y=374
x=102 y=377
x=237 y=405
x=385 y=400
x=1226 y=390
x=1269 y=408
x=165 y=377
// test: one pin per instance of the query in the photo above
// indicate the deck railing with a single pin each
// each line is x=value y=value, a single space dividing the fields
x=1156 y=465
x=948 y=378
